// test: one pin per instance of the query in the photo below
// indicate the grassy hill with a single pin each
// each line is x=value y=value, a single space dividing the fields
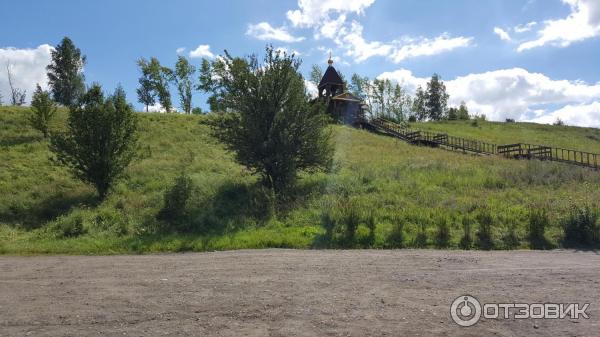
x=44 y=210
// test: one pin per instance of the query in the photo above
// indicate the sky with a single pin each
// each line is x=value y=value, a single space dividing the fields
x=530 y=60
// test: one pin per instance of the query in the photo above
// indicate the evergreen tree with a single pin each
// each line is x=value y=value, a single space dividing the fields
x=271 y=124
x=436 y=103
x=43 y=109
x=419 y=107
x=65 y=73
x=183 y=77
x=452 y=114
x=100 y=139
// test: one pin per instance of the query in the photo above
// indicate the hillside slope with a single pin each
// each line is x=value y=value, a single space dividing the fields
x=44 y=210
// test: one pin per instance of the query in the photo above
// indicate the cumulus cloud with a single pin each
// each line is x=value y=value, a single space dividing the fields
x=203 y=50
x=312 y=13
x=180 y=50
x=311 y=88
x=428 y=47
x=28 y=68
x=582 y=23
x=524 y=28
x=502 y=34
x=264 y=31
x=519 y=94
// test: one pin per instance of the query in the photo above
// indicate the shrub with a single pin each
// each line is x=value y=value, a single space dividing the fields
x=370 y=221
x=176 y=199
x=43 y=109
x=581 y=228
x=68 y=226
x=396 y=237
x=536 y=230
x=466 y=242
x=328 y=223
x=484 y=234
x=511 y=239
x=421 y=238
x=274 y=129
x=351 y=219
x=100 y=140
x=442 y=235
x=510 y=120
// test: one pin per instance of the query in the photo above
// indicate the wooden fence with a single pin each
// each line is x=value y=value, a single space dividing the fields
x=515 y=151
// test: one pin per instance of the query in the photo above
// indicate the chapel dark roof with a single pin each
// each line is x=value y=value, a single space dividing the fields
x=331 y=76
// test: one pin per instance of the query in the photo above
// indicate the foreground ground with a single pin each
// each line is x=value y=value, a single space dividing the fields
x=290 y=293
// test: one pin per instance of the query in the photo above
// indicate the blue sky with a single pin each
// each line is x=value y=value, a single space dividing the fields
x=533 y=60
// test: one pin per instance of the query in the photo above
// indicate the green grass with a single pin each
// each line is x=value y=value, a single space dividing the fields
x=44 y=210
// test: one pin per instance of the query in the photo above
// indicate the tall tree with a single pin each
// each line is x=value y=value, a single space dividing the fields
x=17 y=97
x=184 y=72
x=145 y=92
x=316 y=74
x=463 y=112
x=160 y=77
x=65 y=73
x=271 y=124
x=43 y=109
x=437 y=99
x=419 y=104
x=100 y=139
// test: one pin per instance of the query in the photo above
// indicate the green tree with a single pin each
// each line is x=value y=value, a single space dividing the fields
x=316 y=74
x=463 y=112
x=419 y=107
x=197 y=111
x=436 y=102
x=100 y=140
x=65 y=73
x=270 y=124
x=159 y=78
x=43 y=109
x=452 y=114
x=145 y=92
x=183 y=77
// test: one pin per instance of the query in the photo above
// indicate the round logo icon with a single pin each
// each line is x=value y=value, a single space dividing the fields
x=465 y=310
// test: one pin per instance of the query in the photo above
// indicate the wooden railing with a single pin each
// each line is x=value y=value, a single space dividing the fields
x=516 y=151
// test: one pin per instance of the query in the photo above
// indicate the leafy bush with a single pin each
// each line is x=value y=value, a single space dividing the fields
x=511 y=239
x=351 y=219
x=100 y=141
x=396 y=236
x=370 y=221
x=581 y=228
x=43 y=109
x=466 y=242
x=442 y=235
x=68 y=226
x=176 y=199
x=421 y=238
x=328 y=223
x=536 y=230
x=484 y=234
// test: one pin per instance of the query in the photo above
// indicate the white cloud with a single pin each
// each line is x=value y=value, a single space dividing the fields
x=180 y=50
x=264 y=31
x=502 y=34
x=519 y=94
x=311 y=88
x=358 y=48
x=582 y=23
x=203 y=50
x=524 y=28
x=428 y=47
x=28 y=68
x=579 y=114
x=312 y=13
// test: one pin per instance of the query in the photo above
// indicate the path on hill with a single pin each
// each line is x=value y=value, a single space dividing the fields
x=290 y=293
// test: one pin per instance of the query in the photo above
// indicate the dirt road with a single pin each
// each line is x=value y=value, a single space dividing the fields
x=291 y=293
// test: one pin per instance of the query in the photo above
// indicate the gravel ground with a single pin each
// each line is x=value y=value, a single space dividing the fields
x=291 y=293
